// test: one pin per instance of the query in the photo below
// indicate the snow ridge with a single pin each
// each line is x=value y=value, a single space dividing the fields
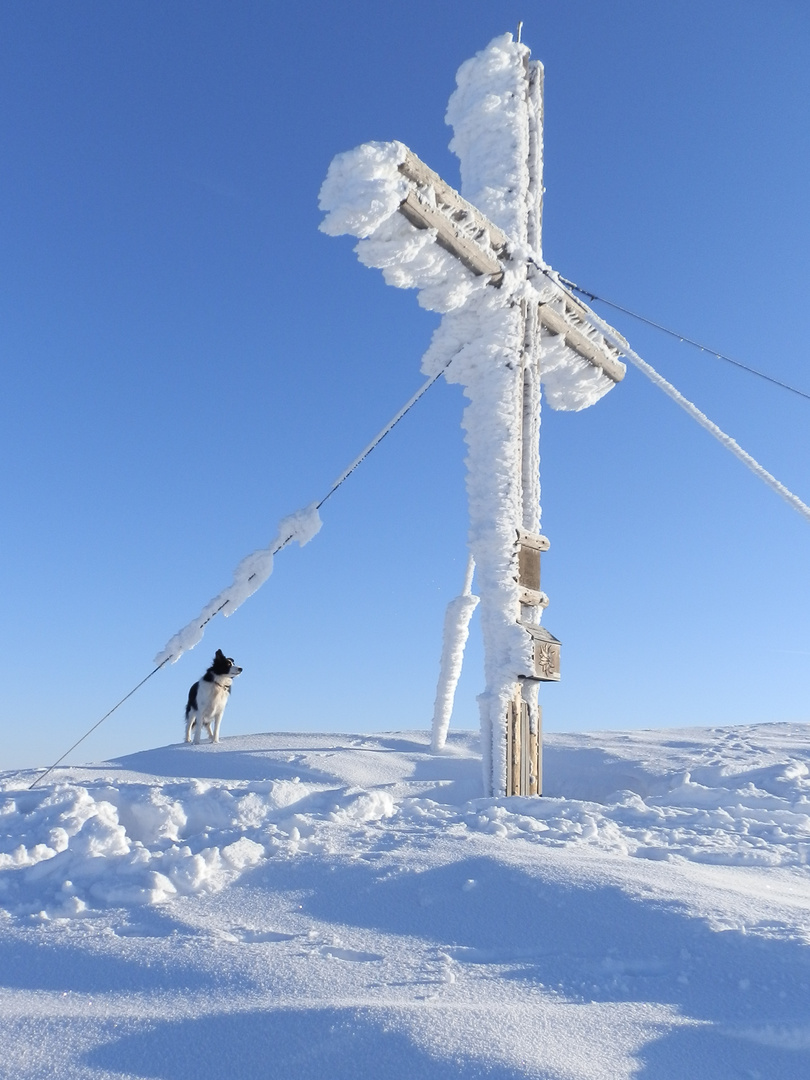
x=350 y=906
x=91 y=842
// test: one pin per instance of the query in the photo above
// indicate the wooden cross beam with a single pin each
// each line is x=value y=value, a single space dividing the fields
x=483 y=248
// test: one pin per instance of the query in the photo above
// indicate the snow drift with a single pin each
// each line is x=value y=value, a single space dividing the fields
x=349 y=906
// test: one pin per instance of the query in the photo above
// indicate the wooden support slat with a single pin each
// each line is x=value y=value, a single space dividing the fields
x=580 y=343
x=535 y=763
x=537 y=752
x=524 y=770
x=460 y=228
x=414 y=169
x=450 y=236
x=482 y=247
x=525 y=750
x=533 y=540
x=512 y=747
x=516 y=746
x=532 y=597
x=529 y=568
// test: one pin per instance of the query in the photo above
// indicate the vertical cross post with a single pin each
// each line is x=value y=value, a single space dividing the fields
x=510 y=708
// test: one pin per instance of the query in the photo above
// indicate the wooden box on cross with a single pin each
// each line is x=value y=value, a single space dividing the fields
x=546 y=653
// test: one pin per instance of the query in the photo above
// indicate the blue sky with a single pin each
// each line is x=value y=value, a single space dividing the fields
x=186 y=359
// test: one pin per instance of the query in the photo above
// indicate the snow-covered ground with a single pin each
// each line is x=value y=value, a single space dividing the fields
x=297 y=905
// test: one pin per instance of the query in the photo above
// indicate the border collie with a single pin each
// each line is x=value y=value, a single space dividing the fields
x=208 y=697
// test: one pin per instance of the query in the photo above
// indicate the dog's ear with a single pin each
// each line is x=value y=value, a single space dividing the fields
x=220 y=653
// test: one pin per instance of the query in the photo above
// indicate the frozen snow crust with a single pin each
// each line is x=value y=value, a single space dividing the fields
x=347 y=906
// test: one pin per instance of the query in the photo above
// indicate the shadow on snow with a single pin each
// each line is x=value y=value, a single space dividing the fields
x=322 y=1044
x=747 y=994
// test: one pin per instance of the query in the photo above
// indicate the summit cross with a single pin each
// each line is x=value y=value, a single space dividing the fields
x=509 y=326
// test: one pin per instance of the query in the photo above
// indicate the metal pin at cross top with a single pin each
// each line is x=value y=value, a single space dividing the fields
x=509 y=325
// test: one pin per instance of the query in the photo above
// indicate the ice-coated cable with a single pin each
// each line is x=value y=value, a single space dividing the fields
x=253 y=571
x=721 y=436
x=378 y=438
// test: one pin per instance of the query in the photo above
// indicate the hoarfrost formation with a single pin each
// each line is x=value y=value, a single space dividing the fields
x=249 y=575
x=497 y=128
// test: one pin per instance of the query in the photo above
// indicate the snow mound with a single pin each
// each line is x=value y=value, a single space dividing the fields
x=145 y=829
x=349 y=906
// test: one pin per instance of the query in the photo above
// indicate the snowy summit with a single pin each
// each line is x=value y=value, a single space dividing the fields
x=320 y=907
x=346 y=906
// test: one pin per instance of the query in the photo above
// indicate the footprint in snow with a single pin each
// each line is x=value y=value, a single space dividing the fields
x=242 y=933
x=265 y=935
x=349 y=954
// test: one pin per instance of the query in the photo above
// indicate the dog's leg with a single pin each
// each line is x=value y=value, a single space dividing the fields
x=217 y=720
x=191 y=710
x=197 y=728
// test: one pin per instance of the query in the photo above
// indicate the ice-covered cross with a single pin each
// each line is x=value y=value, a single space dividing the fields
x=509 y=324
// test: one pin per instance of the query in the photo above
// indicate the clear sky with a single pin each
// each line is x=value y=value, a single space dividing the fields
x=186 y=359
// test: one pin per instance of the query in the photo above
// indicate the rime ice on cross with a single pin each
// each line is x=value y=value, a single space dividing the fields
x=508 y=325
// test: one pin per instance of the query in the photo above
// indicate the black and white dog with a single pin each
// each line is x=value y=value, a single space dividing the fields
x=208 y=697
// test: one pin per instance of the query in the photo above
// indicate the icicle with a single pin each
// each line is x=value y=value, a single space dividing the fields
x=456 y=632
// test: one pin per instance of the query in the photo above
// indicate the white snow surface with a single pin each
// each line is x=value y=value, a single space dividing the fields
x=299 y=905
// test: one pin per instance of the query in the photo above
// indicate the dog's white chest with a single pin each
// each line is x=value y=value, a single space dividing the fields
x=211 y=697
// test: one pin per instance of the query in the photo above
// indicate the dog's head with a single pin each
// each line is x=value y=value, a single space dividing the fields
x=224 y=665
